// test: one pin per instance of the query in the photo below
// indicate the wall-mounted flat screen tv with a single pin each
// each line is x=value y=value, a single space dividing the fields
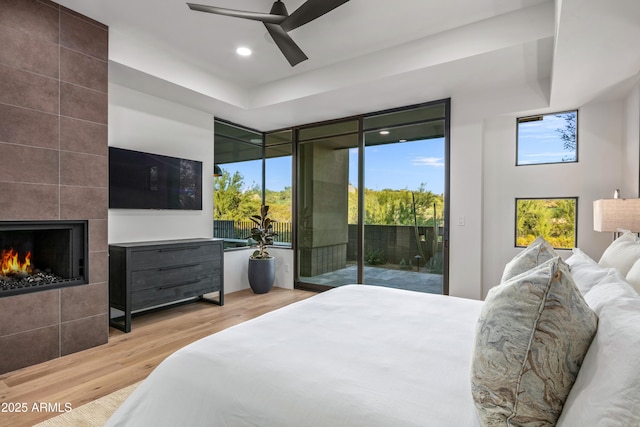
x=140 y=180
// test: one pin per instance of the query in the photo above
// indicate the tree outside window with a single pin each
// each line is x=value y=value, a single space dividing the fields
x=553 y=218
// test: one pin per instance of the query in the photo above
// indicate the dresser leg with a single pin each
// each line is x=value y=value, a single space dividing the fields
x=219 y=301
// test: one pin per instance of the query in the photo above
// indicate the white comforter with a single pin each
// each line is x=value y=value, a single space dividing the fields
x=353 y=356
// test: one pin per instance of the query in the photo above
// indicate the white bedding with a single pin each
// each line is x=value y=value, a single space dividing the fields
x=353 y=356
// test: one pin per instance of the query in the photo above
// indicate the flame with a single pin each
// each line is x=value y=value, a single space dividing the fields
x=10 y=262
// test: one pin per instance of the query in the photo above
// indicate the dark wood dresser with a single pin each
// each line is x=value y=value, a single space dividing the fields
x=145 y=275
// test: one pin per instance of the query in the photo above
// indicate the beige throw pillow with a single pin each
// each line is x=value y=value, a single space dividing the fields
x=533 y=255
x=531 y=338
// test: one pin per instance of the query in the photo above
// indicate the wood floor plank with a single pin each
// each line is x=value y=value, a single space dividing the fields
x=85 y=376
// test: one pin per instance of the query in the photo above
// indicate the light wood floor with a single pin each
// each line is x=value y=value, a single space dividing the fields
x=127 y=358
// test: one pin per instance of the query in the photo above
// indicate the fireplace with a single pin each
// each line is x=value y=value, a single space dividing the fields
x=42 y=255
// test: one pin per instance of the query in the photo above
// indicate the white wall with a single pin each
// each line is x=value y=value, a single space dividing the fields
x=631 y=149
x=485 y=181
x=236 y=265
x=465 y=253
x=596 y=175
x=468 y=163
x=143 y=122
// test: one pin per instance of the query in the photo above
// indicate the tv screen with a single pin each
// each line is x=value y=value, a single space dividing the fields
x=140 y=180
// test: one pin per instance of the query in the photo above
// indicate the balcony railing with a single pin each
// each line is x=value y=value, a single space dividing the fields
x=236 y=233
x=396 y=244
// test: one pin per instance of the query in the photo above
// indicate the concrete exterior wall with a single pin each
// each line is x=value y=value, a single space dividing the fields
x=324 y=206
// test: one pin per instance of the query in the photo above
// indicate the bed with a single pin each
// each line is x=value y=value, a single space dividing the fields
x=362 y=355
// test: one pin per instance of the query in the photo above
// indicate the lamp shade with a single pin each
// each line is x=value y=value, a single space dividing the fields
x=612 y=215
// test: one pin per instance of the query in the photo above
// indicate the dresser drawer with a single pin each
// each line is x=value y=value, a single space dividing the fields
x=146 y=279
x=173 y=292
x=143 y=259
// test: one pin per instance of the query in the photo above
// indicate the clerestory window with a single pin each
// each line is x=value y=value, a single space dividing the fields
x=548 y=138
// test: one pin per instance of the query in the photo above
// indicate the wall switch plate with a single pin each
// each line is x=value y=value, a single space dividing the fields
x=461 y=220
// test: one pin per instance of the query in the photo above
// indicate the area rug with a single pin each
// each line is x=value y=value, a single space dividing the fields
x=92 y=414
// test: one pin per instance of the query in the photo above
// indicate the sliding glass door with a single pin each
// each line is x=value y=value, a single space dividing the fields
x=371 y=201
x=404 y=199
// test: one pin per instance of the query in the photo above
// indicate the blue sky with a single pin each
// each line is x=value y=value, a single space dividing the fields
x=403 y=165
x=539 y=141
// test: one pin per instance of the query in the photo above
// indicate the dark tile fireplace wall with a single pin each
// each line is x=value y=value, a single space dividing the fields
x=53 y=166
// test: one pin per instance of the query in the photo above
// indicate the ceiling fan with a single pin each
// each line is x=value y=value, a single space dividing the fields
x=279 y=22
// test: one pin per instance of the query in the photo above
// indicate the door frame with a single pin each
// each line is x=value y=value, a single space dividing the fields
x=361 y=145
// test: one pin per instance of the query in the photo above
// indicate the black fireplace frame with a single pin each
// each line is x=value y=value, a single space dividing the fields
x=79 y=230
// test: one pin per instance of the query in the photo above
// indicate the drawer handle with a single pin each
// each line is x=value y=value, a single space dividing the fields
x=191 y=282
x=179 y=249
x=179 y=266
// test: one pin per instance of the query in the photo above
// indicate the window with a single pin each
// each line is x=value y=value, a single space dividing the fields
x=339 y=215
x=553 y=218
x=237 y=190
x=250 y=172
x=278 y=173
x=549 y=138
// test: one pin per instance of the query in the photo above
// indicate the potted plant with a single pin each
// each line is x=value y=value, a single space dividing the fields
x=262 y=266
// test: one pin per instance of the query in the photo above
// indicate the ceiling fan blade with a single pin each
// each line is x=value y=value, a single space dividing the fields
x=256 y=16
x=310 y=10
x=285 y=43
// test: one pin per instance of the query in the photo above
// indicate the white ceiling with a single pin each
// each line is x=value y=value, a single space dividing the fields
x=369 y=55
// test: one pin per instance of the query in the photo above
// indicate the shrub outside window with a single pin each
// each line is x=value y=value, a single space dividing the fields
x=549 y=138
x=555 y=219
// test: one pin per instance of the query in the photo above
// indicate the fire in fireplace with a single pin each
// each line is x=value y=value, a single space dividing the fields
x=10 y=263
x=39 y=255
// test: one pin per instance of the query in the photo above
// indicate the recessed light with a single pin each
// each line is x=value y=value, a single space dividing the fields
x=243 y=51
x=384 y=132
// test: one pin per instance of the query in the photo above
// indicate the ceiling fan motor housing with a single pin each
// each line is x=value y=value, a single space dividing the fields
x=279 y=8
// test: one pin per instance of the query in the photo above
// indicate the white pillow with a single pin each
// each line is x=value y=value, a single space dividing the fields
x=611 y=288
x=607 y=389
x=633 y=276
x=622 y=253
x=585 y=271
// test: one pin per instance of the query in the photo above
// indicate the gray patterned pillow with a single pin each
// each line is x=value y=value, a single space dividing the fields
x=531 y=338
x=533 y=255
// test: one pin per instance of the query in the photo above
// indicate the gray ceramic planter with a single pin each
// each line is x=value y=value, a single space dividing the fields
x=262 y=273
